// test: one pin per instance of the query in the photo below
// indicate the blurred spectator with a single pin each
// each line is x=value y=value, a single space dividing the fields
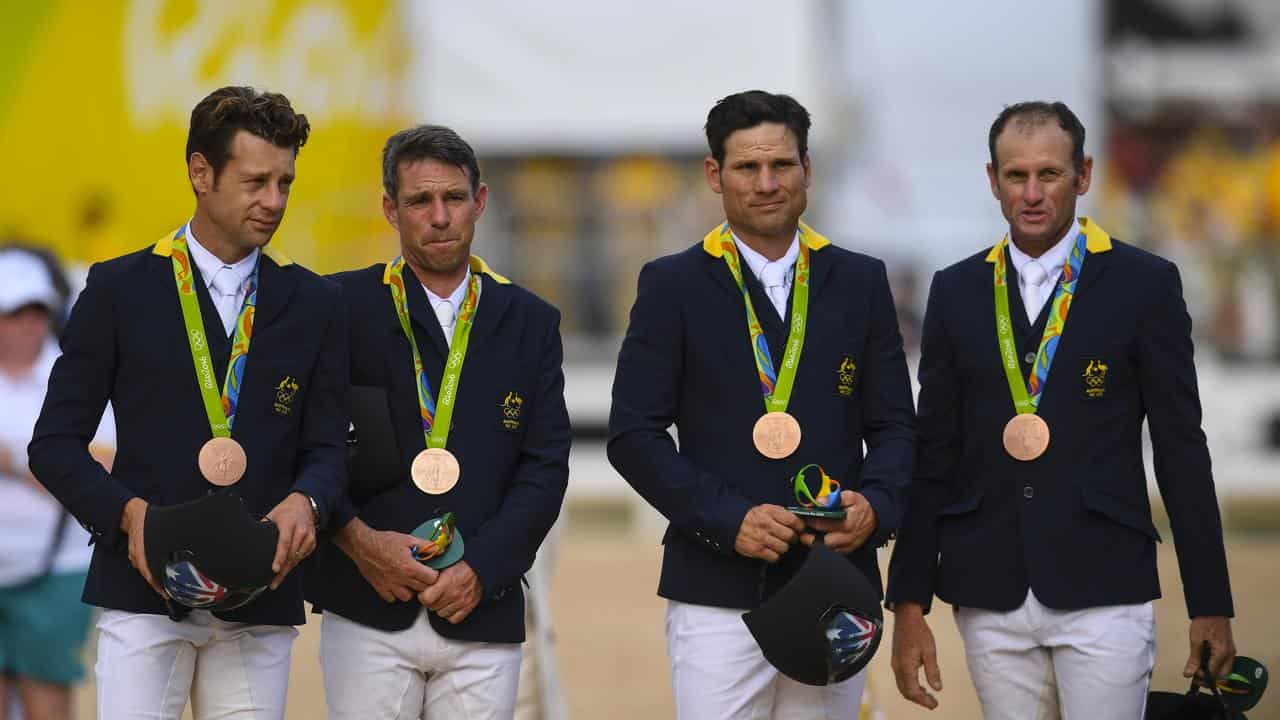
x=1200 y=184
x=43 y=555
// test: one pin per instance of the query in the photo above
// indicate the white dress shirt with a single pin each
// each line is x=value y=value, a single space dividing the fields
x=227 y=283
x=447 y=309
x=774 y=275
x=1038 y=277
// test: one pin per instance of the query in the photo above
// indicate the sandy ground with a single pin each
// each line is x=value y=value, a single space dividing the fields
x=612 y=648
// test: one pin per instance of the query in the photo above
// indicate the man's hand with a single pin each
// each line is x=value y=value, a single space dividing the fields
x=844 y=536
x=386 y=561
x=455 y=594
x=132 y=522
x=1215 y=630
x=767 y=533
x=913 y=648
x=297 y=534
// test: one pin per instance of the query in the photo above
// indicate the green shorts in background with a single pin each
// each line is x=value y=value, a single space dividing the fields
x=43 y=628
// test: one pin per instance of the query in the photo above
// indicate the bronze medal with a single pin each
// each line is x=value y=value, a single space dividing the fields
x=222 y=461
x=435 y=471
x=776 y=435
x=1026 y=436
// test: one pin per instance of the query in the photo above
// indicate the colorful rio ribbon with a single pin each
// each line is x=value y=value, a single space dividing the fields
x=775 y=385
x=1026 y=396
x=435 y=419
x=221 y=409
x=828 y=495
x=438 y=543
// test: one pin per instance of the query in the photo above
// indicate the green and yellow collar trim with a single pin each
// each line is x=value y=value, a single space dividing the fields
x=810 y=237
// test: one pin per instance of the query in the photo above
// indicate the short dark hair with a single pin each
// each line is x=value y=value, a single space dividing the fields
x=217 y=118
x=427 y=142
x=751 y=108
x=1038 y=112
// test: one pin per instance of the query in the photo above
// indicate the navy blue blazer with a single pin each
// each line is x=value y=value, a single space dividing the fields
x=687 y=361
x=126 y=342
x=1073 y=525
x=510 y=433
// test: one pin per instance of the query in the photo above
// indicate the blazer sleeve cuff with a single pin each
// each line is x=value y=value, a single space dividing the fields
x=319 y=493
x=486 y=564
x=734 y=512
x=1211 y=607
x=886 y=517
x=909 y=586
x=892 y=603
x=103 y=522
x=342 y=513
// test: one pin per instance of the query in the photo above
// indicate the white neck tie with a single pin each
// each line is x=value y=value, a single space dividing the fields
x=224 y=287
x=774 y=279
x=446 y=316
x=1033 y=276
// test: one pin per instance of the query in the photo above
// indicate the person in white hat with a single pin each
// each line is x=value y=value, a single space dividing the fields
x=43 y=556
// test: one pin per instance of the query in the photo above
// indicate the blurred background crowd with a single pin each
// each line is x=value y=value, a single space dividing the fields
x=587 y=118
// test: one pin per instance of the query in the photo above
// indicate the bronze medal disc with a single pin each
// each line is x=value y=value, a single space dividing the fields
x=435 y=471
x=222 y=461
x=776 y=435
x=1026 y=436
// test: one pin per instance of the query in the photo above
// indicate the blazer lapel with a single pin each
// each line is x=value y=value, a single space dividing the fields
x=718 y=270
x=1095 y=265
x=819 y=268
x=1097 y=254
x=216 y=336
x=495 y=298
x=276 y=283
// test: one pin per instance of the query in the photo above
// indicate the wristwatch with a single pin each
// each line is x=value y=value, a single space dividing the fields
x=315 y=510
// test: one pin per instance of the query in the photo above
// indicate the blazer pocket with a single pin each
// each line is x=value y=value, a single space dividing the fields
x=962 y=507
x=1119 y=511
x=960 y=525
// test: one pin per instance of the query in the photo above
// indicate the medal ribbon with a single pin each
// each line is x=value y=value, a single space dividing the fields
x=436 y=418
x=1026 y=397
x=221 y=409
x=775 y=386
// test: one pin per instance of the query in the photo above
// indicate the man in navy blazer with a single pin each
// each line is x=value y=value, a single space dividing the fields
x=400 y=639
x=1044 y=544
x=126 y=343
x=687 y=360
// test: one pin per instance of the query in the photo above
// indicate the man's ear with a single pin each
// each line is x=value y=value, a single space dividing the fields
x=389 y=211
x=711 y=169
x=200 y=173
x=1086 y=176
x=482 y=199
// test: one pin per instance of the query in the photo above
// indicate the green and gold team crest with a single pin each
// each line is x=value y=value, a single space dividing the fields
x=512 y=408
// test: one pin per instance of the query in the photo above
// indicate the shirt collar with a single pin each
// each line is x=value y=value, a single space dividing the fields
x=1053 y=259
x=209 y=264
x=455 y=298
x=757 y=262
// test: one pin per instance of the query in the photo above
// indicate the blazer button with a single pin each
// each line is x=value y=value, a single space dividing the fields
x=1030 y=357
x=1028 y=492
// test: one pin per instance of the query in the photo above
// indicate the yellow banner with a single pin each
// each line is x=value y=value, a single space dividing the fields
x=95 y=99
